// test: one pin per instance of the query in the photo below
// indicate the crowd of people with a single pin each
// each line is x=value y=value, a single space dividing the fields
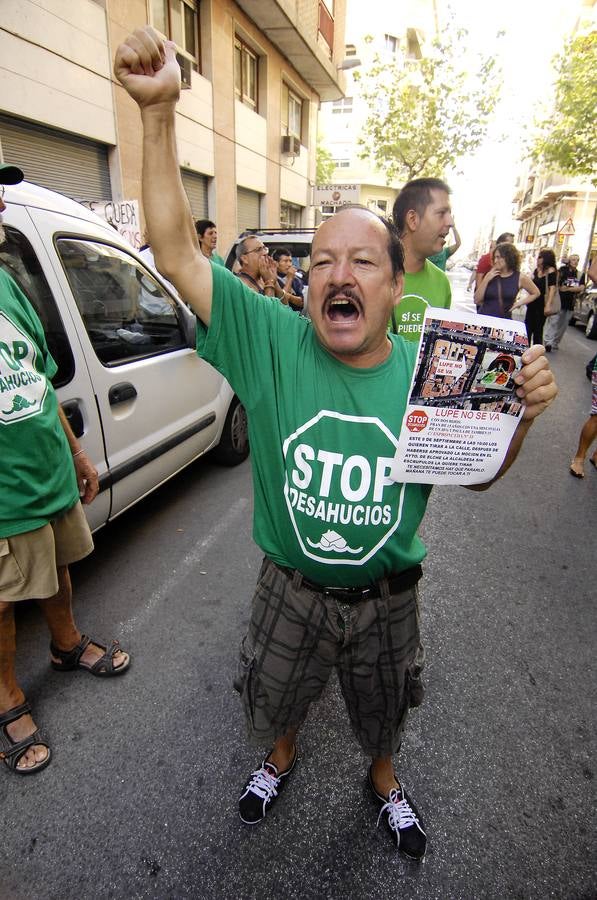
x=324 y=600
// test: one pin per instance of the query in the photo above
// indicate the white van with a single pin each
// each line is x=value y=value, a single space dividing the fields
x=134 y=390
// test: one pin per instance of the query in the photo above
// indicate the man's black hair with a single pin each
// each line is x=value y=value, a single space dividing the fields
x=395 y=249
x=416 y=194
x=201 y=226
x=281 y=251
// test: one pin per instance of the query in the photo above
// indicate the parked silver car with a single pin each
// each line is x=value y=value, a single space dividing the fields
x=134 y=390
x=585 y=312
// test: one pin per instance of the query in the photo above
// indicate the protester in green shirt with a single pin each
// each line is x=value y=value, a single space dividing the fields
x=324 y=398
x=423 y=217
x=42 y=526
x=208 y=238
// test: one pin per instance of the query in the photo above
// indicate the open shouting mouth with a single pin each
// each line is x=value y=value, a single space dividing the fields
x=342 y=306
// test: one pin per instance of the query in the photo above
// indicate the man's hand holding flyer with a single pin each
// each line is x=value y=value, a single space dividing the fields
x=462 y=409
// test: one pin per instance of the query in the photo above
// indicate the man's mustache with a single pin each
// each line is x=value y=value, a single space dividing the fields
x=348 y=293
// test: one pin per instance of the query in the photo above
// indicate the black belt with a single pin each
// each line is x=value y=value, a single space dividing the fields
x=397 y=582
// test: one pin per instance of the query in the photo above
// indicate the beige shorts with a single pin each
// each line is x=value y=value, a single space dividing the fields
x=29 y=561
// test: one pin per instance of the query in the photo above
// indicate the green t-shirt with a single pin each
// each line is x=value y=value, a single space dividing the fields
x=431 y=284
x=217 y=259
x=440 y=259
x=322 y=436
x=37 y=476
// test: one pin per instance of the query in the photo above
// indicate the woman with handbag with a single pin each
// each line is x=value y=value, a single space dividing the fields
x=497 y=291
x=545 y=277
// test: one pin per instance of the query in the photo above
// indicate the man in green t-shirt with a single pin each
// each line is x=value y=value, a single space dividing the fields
x=42 y=525
x=423 y=216
x=208 y=238
x=325 y=399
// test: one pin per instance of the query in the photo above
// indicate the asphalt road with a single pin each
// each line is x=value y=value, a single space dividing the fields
x=140 y=799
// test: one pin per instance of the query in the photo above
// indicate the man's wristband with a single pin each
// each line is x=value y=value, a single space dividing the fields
x=78 y=452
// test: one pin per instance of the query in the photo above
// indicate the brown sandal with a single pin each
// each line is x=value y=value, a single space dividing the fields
x=12 y=751
x=103 y=668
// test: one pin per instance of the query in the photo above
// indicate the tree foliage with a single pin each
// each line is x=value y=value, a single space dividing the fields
x=566 y=140
x=426 y=114
x=324 y=165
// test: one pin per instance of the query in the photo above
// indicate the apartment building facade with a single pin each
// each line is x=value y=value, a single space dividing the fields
x=254 y=73
x=556 y=211
x=392 y=32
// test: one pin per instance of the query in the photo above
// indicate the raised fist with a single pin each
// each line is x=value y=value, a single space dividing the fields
x=146 y=66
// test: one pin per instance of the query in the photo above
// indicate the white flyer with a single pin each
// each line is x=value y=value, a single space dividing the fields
x=462 y=410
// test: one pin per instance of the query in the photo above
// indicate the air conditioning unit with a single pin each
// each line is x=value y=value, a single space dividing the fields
x=185 y=71
x=291 y=146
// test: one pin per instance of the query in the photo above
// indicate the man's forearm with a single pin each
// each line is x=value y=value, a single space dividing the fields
x=167 y=211
x=72 y=440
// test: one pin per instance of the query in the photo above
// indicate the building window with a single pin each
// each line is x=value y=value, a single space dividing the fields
x=326 y=22
x=292 y=113
x=179 y=21
x=245 y=74
x=380 y=206
x=391 y=44
x=350 y=50
x=290 y=215
x=342 y=107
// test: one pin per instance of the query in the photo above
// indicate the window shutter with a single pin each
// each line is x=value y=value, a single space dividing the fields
x=57 y=160
x=247 y=209
x=195 y=186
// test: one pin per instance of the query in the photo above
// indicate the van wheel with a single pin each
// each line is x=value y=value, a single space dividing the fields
x=234 y=443
x=591 y=327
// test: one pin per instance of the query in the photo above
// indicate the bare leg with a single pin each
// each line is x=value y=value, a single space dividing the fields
x=283 y=750
x=587 y=436
x=382 y=774
x=11 y=694
x=58 y=613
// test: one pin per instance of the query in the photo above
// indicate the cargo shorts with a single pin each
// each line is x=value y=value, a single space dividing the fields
x=29 y=561
x=297 y=636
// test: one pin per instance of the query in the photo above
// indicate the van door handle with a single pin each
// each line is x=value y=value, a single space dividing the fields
x=121 y=392
x=74 y=417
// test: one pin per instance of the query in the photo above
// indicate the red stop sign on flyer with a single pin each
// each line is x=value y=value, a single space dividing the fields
x=417 y=420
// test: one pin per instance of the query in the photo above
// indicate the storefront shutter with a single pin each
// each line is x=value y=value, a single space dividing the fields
x=247 y=209
x=196 y=187
x=57 y=160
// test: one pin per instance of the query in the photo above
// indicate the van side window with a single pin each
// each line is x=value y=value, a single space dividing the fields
x=126 y=313
x=18 y=259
